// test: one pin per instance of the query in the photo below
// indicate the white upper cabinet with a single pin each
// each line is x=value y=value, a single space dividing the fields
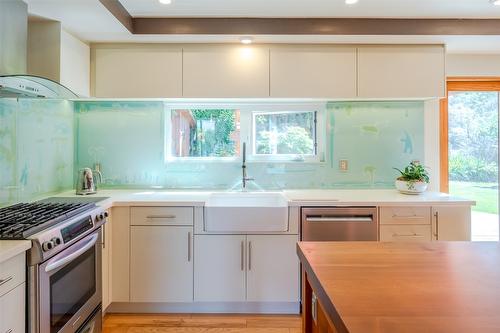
x=313 y=71
x=137 y=72
x=226 y=71
x=407 y=71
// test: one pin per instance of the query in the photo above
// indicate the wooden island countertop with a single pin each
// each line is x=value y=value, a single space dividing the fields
x=365 y=287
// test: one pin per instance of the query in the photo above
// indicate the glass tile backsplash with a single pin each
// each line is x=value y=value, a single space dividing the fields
x=43 y=143
x=36 y=148
x=128 y=140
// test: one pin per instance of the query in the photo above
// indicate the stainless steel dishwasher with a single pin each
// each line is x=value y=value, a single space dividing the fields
x=339 y=224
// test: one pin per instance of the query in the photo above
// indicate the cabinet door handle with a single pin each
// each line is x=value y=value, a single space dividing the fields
x=242 y=258
x=104 y=236
x=189 y=246
x=249 y=256
x=4 y=281
x=436 y=233
x=10 y=330
x=314 y=307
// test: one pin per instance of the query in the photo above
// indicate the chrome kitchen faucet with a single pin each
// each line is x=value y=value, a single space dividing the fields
x=244 y=178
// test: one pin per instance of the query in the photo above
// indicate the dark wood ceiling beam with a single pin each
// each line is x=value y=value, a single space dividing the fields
x=299 y=26
x=315 y=26
x=120 y=13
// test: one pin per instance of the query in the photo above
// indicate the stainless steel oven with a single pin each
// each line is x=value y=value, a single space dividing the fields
x=93 y=324
x=65 y=290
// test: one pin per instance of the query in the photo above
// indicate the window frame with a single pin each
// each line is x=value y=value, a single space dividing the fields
x=284 y=157
x=247 y=111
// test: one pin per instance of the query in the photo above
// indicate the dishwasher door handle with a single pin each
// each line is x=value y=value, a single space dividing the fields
x=339 y=219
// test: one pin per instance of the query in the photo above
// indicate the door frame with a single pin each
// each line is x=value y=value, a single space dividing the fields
x=457 y=83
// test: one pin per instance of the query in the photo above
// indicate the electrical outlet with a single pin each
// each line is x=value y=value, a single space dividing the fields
x=344 y=165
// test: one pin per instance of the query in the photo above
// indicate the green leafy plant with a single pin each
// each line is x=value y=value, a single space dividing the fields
x=413 y=173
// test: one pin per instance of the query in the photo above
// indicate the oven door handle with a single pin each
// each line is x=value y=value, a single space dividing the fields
x=73 y=255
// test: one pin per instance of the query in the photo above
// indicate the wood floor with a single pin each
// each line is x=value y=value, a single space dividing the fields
x=201 y=323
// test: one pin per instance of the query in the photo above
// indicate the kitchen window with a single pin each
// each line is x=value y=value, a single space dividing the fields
x=272 y=131
x=284 y=134
x=203 y=133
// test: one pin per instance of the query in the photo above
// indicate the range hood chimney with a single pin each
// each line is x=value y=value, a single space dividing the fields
x=14 y=82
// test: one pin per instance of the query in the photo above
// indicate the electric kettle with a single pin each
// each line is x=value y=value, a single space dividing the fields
x=86 y=183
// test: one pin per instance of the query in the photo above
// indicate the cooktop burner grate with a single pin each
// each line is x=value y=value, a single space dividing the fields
x=24 y=219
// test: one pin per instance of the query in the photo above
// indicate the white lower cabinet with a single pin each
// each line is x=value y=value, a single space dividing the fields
x=273 y=268
x=161 y=264
x=219 y=269
x=425 y=223
x=238 y=268
x=405 y=233
x=451 y=223
x=13 y=310
x=13 y=294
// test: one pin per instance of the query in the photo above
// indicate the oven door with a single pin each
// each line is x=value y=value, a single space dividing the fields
x=70 y=286
x=93 y=324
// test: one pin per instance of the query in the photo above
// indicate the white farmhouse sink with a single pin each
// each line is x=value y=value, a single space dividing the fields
x=246 y=212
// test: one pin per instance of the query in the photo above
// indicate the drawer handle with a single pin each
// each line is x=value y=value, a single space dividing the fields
x=339 y=219
x=161 y=216
x=407 y=235
x=4 y=281
x=10 y=330
x=409 y=217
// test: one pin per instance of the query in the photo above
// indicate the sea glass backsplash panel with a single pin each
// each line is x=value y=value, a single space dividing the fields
x=36 y=148
x=128 y=138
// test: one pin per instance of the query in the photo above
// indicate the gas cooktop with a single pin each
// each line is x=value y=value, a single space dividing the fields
x=22 y=220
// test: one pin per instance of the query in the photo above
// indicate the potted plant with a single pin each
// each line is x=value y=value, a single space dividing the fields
x=414 y=179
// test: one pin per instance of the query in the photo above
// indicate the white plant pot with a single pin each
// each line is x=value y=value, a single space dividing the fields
x=411 y=187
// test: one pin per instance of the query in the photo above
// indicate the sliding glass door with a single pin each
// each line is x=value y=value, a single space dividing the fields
x=472 y=140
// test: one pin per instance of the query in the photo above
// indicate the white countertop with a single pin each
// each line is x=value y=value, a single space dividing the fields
x=11 y=248
x=370 y=198
x=295 y=198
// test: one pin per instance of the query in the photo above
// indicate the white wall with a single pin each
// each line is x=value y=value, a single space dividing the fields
x=473 y=65
x=431 y=142
x=75 y=64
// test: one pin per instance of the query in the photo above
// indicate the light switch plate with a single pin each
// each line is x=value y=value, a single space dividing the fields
x=344 y=165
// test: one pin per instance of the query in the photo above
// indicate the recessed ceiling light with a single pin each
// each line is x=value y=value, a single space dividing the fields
x=246 y=40
x=495 y=2
x=350 y=2
x=165 y=2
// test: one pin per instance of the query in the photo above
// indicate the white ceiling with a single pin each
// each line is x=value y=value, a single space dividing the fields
x=315 y=8
x=91 y=22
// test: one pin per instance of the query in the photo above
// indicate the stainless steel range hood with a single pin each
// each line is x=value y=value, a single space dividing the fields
x=13 y=59
x=32 y=86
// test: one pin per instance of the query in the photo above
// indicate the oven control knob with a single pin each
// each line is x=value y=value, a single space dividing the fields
x=56 y=241
x=101 y=216
x=47 y=246
x=106 y=214
x=97 y=217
